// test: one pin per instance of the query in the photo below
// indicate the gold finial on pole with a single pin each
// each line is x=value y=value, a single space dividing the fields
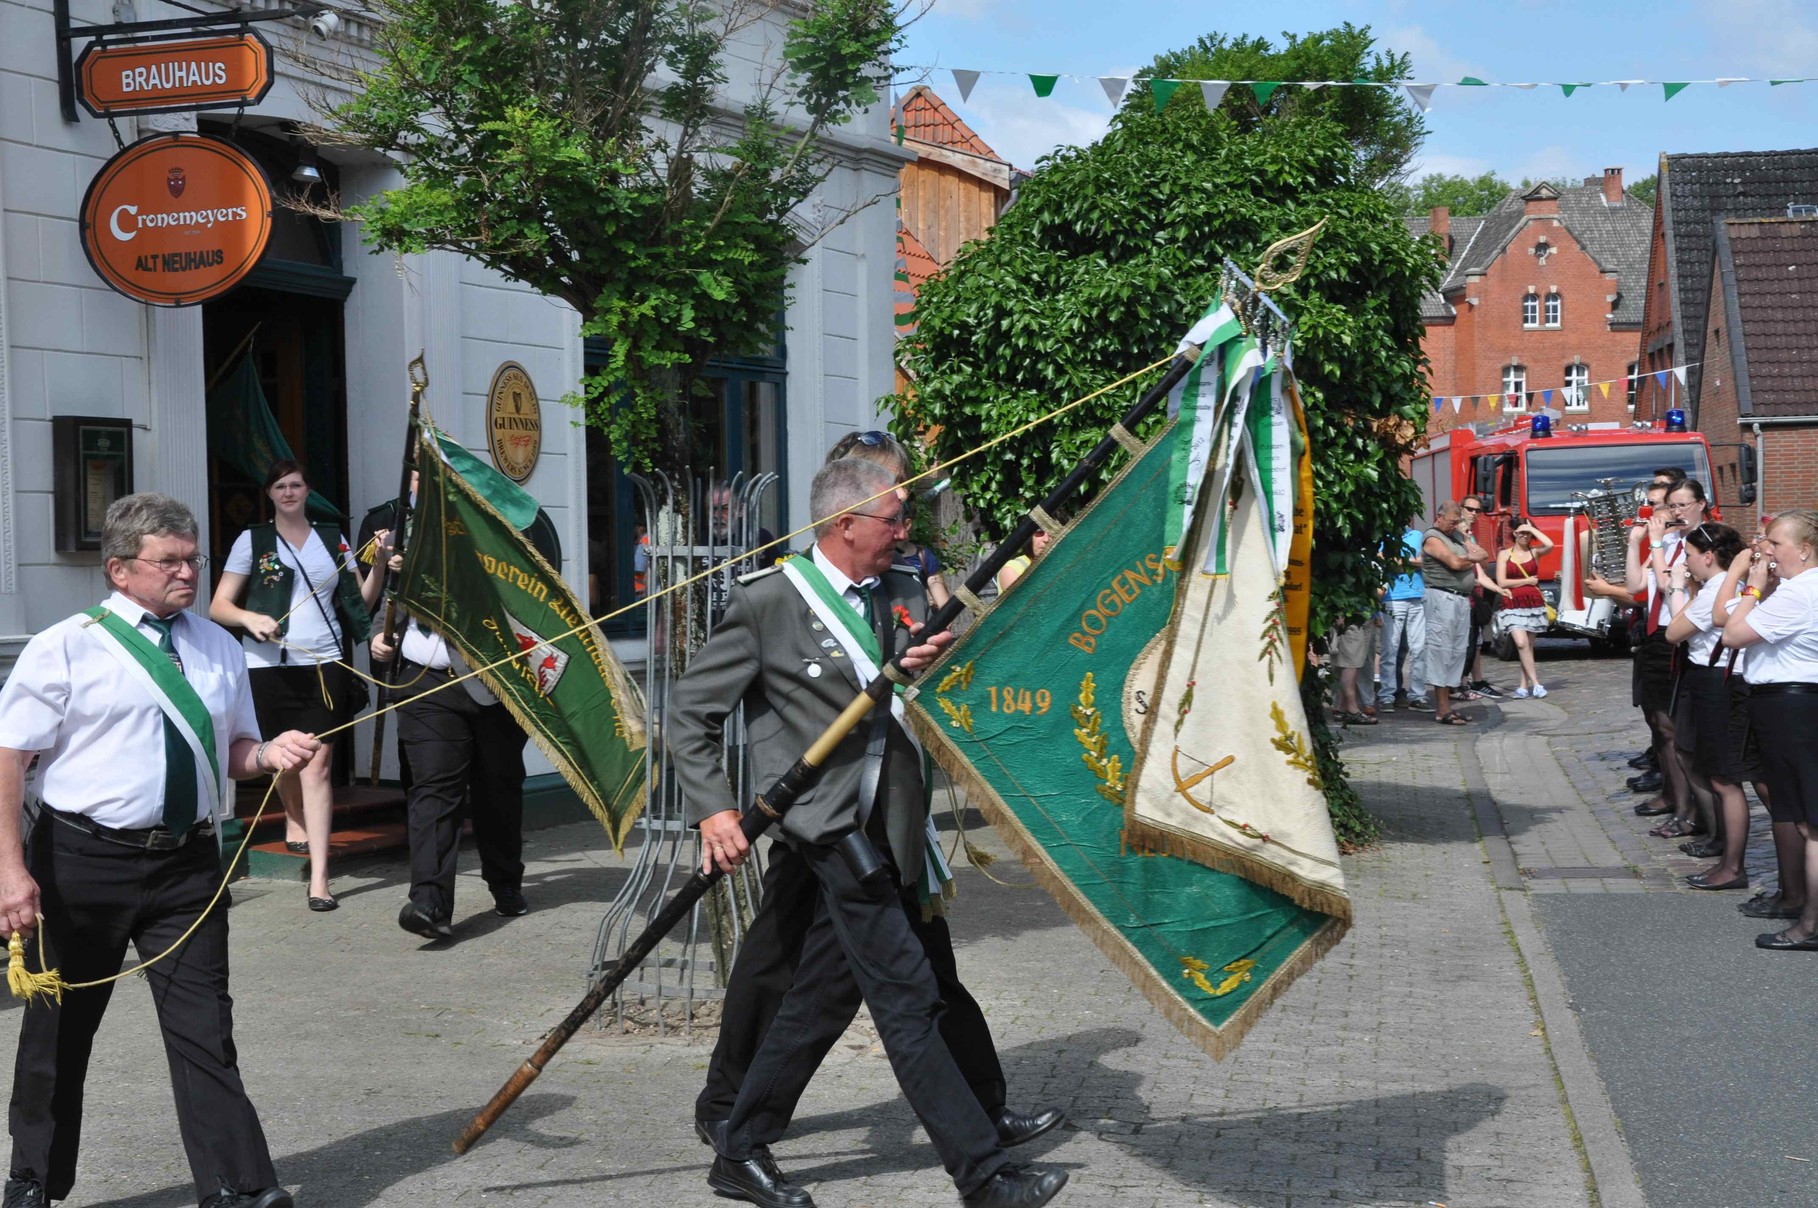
x=419 y=373
x=1298 y=248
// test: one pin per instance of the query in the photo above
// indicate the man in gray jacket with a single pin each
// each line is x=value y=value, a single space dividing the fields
x=795 y=646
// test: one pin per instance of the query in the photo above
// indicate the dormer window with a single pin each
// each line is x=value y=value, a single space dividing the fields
x=1530 y=311
x=1554 y=309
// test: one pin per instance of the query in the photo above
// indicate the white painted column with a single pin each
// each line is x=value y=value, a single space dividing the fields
x=179 y=424
x=12 y=610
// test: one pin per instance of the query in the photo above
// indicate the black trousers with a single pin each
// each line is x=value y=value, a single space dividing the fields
x=862 y=933
x=96 y=896
x=766 y=968
x=466 y=760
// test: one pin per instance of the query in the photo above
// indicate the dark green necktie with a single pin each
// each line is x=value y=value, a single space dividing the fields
x=179 y=761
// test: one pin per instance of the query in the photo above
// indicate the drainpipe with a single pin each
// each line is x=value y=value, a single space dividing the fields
x=1760 y=472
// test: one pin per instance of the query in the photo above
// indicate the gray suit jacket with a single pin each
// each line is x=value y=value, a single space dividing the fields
x=761 y=654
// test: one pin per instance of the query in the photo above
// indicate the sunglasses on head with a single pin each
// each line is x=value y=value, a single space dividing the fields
x=872 y=439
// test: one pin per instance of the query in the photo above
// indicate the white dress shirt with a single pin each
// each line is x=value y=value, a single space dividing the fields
x=99 y=732
x=312 y=633
x=1699 y=646
x=847 y=589
x=1788 y=624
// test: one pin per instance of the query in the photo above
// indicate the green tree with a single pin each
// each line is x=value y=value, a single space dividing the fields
x=1383 y=128
x=582 y=147
x=1465 y=196
x=1645 y=190
x=1109 y=254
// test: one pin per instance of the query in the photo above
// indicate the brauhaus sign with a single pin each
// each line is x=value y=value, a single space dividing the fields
x=173 y=75
x=176 y=219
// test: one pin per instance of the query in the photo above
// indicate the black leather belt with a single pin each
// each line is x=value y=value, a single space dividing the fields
x=1782 y=689
x=146 y=838
x=1447 y=590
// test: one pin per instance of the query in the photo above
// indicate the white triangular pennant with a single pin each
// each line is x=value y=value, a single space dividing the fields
x=1420 y=94
x=1214 y=91
x=1525 y=87
x=1679 y=372
x=1726 y=81
x=965 y=81
x=1457 y=402
x=1624 y=84
x=1114 y=87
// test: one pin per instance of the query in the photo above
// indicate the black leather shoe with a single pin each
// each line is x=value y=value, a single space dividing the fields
x=271 y=1197
x=1646 y=782
x=418 y=921
x=509 y=903
x=25 y=1193
x=1015 y=1129
x=1644 y=762
x=757 y=1180
x=1018 y=1187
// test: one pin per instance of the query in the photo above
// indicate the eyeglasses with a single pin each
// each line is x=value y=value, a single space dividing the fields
x=170 y=566
x=899 y=520
x=871 y=439
x=1677 y=505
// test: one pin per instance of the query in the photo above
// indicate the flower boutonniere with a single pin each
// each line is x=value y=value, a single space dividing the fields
x=902 y=615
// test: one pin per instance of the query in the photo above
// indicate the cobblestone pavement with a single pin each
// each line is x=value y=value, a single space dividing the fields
x=1411 y=1067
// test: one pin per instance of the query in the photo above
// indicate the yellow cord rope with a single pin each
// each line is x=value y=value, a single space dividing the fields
x=49 y=983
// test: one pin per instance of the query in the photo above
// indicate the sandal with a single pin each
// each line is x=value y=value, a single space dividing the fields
x=1673 y=828
x=1352 y=719
x=297 y=847
x=1452 y=719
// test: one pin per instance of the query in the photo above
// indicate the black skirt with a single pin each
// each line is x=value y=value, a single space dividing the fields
x=291 y=698
x=1784 y=725
x=1711 y=724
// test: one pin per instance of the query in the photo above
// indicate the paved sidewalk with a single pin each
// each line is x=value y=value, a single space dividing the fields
x=1409 y=1068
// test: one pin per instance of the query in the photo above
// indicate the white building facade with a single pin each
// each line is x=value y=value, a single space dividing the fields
x=332 y=328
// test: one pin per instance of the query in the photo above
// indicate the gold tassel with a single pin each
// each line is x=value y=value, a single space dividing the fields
x=22 y=981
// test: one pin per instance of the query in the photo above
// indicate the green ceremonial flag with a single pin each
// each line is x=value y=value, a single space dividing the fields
x=1264 y=89
x=1163 y=91
x=472 y=577
x=1673 y=90
x=1044 y=84
x=243 y=432
x=1048 y=710
x=507 y=498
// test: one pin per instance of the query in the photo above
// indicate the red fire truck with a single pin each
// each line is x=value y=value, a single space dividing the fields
x=1535 y=471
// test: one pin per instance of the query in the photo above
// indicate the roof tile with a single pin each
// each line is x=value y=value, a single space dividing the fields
x=1776 y=284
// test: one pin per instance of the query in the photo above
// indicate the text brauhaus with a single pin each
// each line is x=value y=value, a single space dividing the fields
x=1151 y=570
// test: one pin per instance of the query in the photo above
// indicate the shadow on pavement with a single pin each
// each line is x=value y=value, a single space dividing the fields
x=357 y=1170
x=1252 y=1158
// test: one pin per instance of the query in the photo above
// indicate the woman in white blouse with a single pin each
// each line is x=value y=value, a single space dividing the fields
x=297 y=591
x=1780 y=633
x=1710 y=725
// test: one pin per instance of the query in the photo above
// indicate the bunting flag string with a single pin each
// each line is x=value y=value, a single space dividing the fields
x=1117 y=89
x=1515 y=399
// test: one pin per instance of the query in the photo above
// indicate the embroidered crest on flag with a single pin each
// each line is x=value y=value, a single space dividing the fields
x=546 y=662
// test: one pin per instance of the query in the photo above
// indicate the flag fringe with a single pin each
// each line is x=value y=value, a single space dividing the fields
x=1217 y=1041
x=1155 y=837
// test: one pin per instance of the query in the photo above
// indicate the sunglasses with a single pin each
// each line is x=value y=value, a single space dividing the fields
x=872 y=439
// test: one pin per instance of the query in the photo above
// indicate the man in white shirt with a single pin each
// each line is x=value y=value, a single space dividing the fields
x=139 y=714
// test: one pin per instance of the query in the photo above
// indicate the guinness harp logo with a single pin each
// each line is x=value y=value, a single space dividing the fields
x=514 y=422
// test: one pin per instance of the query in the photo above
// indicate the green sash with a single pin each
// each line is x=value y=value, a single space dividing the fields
x=178 y=692
x=840 y=607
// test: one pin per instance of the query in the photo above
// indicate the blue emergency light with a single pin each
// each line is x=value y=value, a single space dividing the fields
x=1675 y=420
x=1540 y=427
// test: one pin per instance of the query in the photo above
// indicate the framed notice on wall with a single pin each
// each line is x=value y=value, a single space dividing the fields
x=93 y=467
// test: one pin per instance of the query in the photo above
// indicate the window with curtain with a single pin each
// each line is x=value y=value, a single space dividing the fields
x=1577 y=387
x=1515 y=388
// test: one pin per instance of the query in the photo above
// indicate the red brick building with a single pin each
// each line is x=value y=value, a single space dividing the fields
x=1540 y=306
x=1759 y=344
x=1696 y=192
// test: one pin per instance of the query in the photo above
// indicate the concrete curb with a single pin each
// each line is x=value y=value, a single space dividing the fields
x=1613 y=1176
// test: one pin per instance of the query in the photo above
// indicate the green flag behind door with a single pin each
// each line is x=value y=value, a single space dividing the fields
x=473 y=578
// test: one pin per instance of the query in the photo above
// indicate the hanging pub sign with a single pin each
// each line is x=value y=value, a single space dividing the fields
x=174 y=74
x=176 y=219
x=514 y=422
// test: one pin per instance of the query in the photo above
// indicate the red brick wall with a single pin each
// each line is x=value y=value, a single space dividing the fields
x=1790 y=468
x=1656 y=349
x=1469 y=356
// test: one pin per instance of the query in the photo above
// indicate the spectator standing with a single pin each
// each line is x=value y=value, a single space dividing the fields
x=1449 y=562
x=1352 y=644
x=1404 y=621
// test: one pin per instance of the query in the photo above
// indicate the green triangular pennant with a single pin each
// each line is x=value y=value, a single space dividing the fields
x=1044 y=85
x=1474 y=82
x=1778 y=83
x=1264 y=89
x=1673 y=90
x=900 y=132
x=1569 y=89
x=1163 y=90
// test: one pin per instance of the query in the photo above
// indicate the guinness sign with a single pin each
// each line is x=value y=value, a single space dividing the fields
x=514 y=422
x=176 y=219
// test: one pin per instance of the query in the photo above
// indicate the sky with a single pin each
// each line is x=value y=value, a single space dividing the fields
x=1538 y=133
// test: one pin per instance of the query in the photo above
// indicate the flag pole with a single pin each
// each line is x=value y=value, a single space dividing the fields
x=419 y=382
x=770 y=807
